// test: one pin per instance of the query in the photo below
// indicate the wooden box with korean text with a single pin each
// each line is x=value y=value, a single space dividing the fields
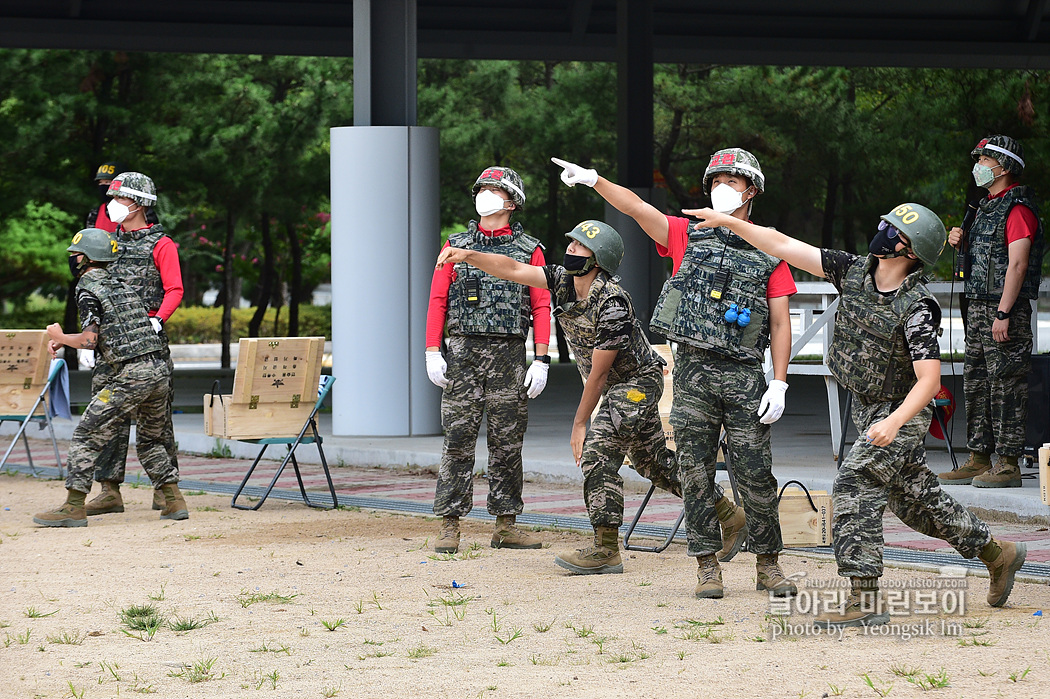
x=24 y=365
x=274 y=389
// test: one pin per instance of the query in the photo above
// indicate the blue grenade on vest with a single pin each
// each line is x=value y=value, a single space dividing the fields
x=741 y=317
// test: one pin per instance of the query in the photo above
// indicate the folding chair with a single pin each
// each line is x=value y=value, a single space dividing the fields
x=723 y=444
x=940 y=405
x=27 y=357
x=292 y=443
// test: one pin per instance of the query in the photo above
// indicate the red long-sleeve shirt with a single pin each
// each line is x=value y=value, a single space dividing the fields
x=437 y=311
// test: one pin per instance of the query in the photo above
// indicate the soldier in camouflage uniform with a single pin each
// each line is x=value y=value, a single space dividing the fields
x=488 y=321
x=1003 y=256
x=724 y=304
x=115 y=324
x=885 y=351
x=149 y=264
x=618 y=367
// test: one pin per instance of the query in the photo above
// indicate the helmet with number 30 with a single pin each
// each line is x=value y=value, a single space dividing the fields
x=95 y=244
x=601 y=239
x=735 y=161
x=923 y=229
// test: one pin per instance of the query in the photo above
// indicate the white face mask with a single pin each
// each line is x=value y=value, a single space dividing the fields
x=116 y=211
x=488 y=202
x=725 y=199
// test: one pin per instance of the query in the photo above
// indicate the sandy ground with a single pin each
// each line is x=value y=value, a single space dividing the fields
x=267 y=585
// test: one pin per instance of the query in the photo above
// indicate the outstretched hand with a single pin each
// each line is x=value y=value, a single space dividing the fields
x=572 y=174
x=451 y=255
x=710 y=217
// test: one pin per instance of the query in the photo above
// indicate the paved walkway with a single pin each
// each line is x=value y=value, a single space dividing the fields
x=398 y=474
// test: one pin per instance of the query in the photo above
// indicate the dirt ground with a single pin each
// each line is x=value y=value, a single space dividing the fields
x=291 y=601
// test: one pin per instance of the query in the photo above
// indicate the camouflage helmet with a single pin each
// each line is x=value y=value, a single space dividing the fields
x=96 y=244
x=923 y=229
x=504 y=178
x=601 y=239
x=1004 y=150
x=135 y=186
x=735 y=161
x=107 y=171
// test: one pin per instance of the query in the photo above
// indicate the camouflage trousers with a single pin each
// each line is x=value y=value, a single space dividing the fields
x=627 y=423
x=486 y=375
x=712 y=391
x=113 y=460
x=139 y=391
x=871 y=478
x=995 y=379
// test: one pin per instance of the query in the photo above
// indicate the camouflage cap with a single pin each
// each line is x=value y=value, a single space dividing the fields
x=135 y=186
x=95 y=244
x=1004 y=150
x=504 y=178
x=107 y=171
x=735 y=161
x=601 y=239
x=923 y=229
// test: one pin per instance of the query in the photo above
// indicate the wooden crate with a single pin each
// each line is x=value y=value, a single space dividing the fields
x=274 y=389
x=799 y=524
x=15 y=400
x=24 y=359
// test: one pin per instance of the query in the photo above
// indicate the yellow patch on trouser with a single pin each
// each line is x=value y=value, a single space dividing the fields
x=635 y=396
x=104 y=395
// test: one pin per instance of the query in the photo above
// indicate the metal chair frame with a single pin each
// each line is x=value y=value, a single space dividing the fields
x=32 y=417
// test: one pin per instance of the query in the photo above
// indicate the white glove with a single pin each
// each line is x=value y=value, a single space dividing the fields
x=573 y=174
x=436 y=368
x=86 y=359
x=536 y=378
x=773 y=399
x=155 y=322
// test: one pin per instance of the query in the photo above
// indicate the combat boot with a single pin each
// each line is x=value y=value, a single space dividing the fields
x=770 y=577
x=975 y=465
x=602 y=557
x=508 y=536
x=448 y=539
x=734 y=528
x=108 y=500
x=158 y=499
x=174 y=503
x=708 y=578
x=862 y=607
x=1003 y=559
x=71 y=514
x=1003 y=475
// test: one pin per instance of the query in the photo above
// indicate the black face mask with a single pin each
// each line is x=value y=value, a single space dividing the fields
x=102 y=189
x=577 y=265
x=76 y=268
x=884 y=244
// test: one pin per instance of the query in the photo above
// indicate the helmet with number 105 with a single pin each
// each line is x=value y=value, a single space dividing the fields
x=923 y=229
x=601 y=239
x=1004 y=150
x=135 y=186
x=735 y=161
x=95 y=244
x=504 y=178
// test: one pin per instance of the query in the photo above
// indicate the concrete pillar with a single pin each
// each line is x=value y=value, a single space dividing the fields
x=385 y=222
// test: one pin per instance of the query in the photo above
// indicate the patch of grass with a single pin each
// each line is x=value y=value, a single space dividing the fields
x=976 y=641
x=503 y=662
x=543 y=626
x=515 y=634
x=882 y=690
x=178 y=623
x=145 y=619
x=1018 y=676
x=329 y=692
x=583 y=630
x=159 y=597
x=247 y=599
x=220 y=451
x=73 y=691
x=267 y=648
x=206 y=508
x=904 y=670
x=537 y=659
x=34 y=613
x=834 y=690
x=194 y=492
x=975 y=623
x=200 y=671
x=928 y=681
x=333 y=625
x=68 y=638
x=421 y=651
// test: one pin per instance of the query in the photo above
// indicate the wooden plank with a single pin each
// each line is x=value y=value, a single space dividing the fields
x=278 y=370
x=16 y=401
x=229 y=420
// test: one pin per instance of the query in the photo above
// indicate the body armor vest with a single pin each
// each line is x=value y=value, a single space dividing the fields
x=481 y=304
x=579 y=322
x=125 y=331
x=135 y=266
x=718 y=269
x=987 y=254
x=869 y=353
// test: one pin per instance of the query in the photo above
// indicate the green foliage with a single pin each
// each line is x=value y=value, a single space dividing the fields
x=33 y=250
